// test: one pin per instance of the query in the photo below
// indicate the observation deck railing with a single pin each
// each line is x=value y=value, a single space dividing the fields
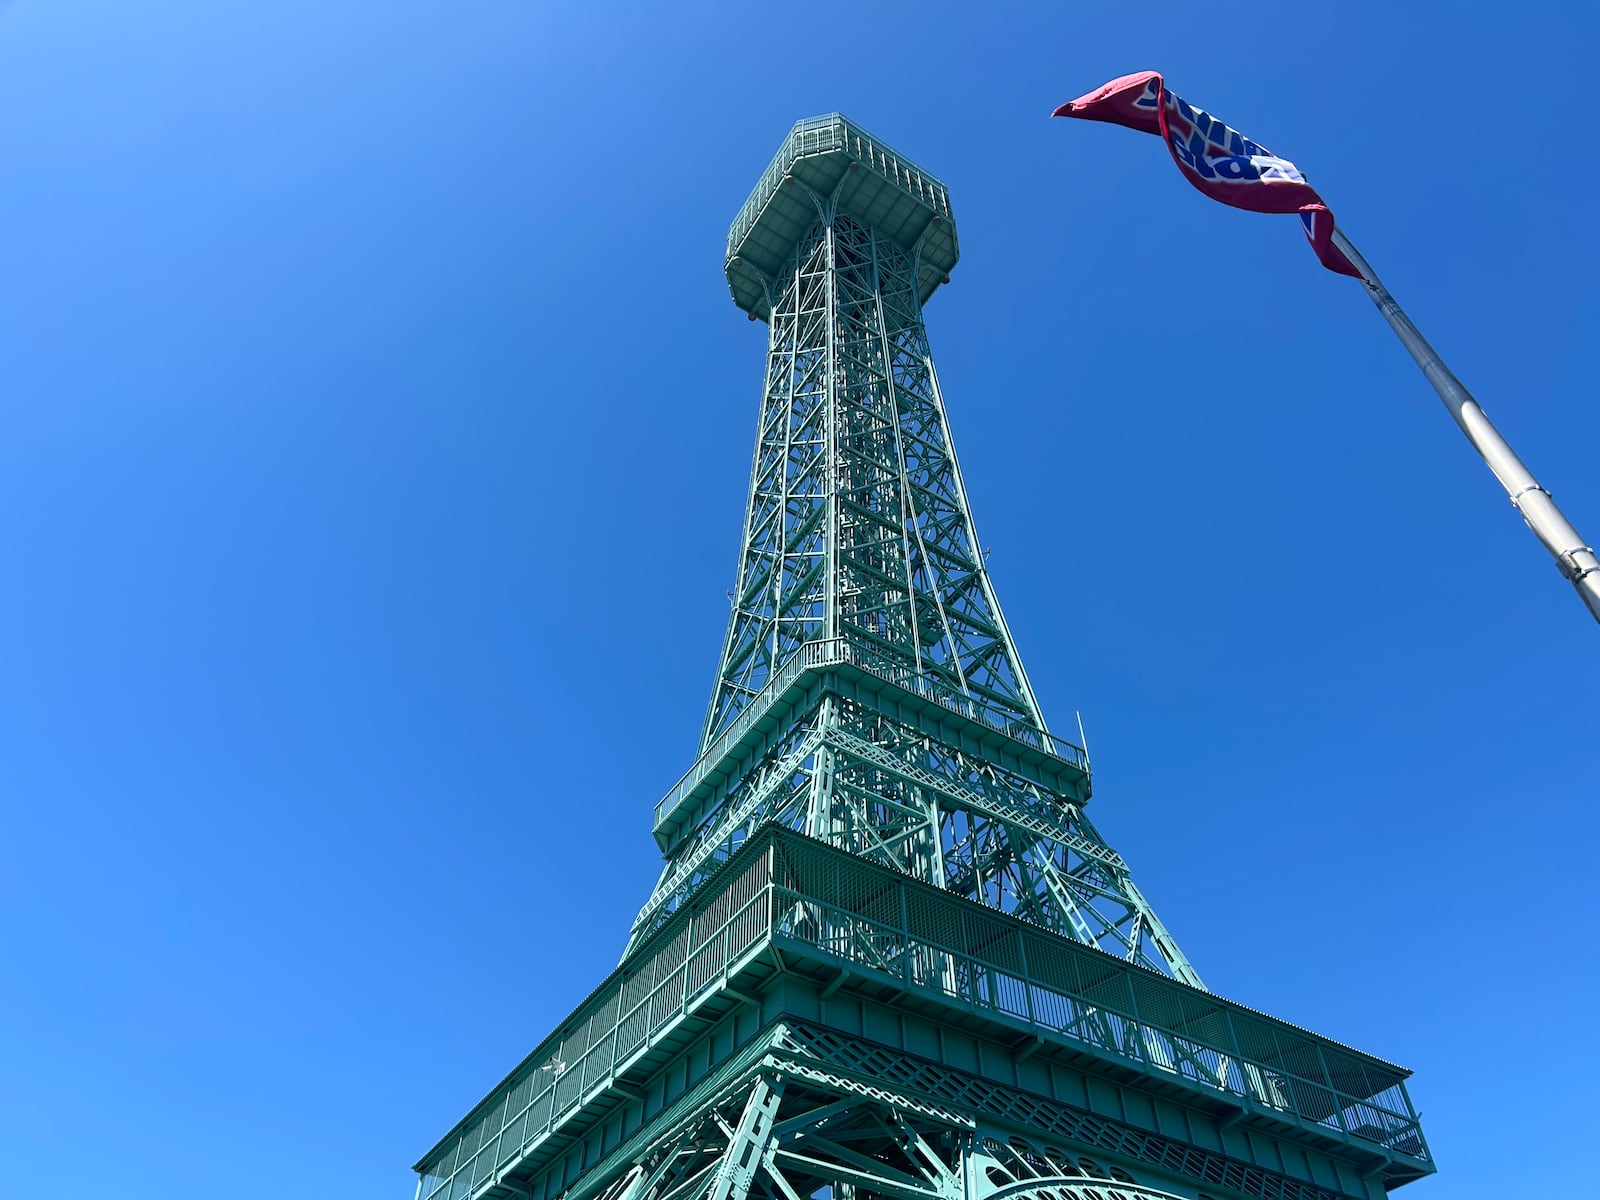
x=829 y=652
x=824 y=905
x=821 y=135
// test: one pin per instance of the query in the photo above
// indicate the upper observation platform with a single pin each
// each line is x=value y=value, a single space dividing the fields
x=831 y=159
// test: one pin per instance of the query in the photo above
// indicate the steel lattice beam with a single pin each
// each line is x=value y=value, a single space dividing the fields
x=858 y=535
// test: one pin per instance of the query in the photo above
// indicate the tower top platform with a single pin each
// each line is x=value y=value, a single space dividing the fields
x=830 y=163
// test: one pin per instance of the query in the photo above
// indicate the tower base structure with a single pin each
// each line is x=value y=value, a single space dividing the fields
x=815 y=1021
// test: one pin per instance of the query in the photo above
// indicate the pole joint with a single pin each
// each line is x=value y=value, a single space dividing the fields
x=1570 y=567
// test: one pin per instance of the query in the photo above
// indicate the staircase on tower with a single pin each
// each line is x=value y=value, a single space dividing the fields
x=889 y=956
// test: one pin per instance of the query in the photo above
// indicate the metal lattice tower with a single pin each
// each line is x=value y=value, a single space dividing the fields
x=860 y=557
x=889 y=956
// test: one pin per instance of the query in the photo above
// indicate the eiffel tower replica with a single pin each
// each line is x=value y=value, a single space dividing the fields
x=889 y=956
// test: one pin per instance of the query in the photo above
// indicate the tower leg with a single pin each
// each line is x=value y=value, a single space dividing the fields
x=746 y=1150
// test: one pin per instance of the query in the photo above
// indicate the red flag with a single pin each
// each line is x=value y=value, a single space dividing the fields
x=1220 y=161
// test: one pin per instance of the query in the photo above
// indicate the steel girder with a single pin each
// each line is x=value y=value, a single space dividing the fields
x=857 y=524
x=780 y=1138
x=858 y=534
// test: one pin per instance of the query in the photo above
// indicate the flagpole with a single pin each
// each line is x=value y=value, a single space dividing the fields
x=1574 y=557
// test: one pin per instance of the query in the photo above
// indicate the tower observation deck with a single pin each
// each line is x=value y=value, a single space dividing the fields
x=861 y=179
x=889 y=957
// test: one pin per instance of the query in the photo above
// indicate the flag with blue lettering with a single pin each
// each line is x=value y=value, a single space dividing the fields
x=1220 y=161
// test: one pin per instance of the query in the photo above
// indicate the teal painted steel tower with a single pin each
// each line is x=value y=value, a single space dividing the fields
x=889 y=957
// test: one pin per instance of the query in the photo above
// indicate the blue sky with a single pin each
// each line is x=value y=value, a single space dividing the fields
x=374 y=431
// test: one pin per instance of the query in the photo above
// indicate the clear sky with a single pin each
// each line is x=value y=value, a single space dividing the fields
x=374 y=435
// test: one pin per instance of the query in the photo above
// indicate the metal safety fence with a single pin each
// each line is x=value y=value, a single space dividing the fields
x=935 y=941
x=832 y=651
x=834 y=133
x=824 y=904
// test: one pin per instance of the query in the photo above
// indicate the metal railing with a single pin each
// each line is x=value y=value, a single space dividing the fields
x=812 y=654
x=828 y=905
x=995 y=716
x=620 y=1021
x=823 y=653
x=820 y=135
x=928 y=940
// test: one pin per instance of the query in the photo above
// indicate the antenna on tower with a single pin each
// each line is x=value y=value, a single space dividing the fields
x=1083 y=740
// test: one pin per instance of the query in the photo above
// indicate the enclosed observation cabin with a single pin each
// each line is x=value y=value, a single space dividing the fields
x=830 y=166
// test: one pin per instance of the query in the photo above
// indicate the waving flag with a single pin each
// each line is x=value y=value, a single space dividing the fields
x=1219 y=160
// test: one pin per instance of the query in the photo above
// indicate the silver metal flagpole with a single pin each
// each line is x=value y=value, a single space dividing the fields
x=1574 y=557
